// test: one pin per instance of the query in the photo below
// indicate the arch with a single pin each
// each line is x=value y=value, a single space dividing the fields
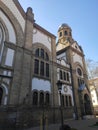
x=35 y=98
x=14 y=22
x=77 y=64
x=41 y=46
x=4 y=97
x=4 y=29
x=87 y=104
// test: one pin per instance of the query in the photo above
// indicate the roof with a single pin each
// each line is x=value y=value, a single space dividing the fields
x=64 y=25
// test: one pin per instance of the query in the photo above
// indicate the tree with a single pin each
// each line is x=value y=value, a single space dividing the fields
x=92 y=68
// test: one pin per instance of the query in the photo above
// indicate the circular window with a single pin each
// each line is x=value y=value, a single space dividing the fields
x=65 y=89
x=79 y=71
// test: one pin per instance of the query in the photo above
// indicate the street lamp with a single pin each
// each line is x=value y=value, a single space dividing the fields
x=59 y=85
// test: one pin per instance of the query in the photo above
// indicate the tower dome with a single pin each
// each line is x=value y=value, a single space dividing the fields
x=64 y=25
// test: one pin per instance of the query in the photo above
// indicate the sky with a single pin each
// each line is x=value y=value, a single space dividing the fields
x=80 y=15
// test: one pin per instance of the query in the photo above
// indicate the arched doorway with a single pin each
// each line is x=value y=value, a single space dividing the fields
x=87 y=105
x=1 y=95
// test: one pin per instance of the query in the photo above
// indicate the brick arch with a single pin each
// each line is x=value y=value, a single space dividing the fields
x=15 y=23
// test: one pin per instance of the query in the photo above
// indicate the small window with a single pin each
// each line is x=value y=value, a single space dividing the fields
x=79 y=71
x=41 y=98
x=47 y=99
x=65 y=33
x=35 y=98
x=60 y=34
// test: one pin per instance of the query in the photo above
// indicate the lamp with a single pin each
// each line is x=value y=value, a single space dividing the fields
x=59 y=85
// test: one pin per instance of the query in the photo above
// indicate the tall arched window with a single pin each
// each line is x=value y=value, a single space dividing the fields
x=66 y=100
x=41 y=63
x=62 y=100
x=70 y=101
x=35 y=98
x=41 y=102
x=61 y=76
x=67 y=76
x=47 y=99
x=37 y=52
x=1 y=94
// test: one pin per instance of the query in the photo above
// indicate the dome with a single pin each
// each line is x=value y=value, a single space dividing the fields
x=64 y=25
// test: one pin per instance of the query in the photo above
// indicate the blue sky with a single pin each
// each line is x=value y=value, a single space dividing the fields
x=80 y=15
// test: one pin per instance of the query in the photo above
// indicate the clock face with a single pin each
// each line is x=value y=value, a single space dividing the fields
x=65 y=89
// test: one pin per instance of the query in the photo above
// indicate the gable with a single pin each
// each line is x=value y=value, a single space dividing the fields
x=76 y=46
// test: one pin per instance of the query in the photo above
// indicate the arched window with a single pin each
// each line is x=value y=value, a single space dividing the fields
x=79 y=71
x=41 y=102
x=62 y=100
x=60 y=34
x=65 y=33
x=42 y=68
x=37 y=52
x=67 y=76
x=47 y=99
x=41 y=63
x=61 y=76
x=35 y=98
x=42 y=53
x=1 y=94
x=64 y=75
x=66 y=100
x=70 y=101
x=36 y=66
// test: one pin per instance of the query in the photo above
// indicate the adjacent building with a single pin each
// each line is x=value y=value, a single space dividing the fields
x=93 y=84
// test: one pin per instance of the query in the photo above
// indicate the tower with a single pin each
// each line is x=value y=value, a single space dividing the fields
x=74 y=55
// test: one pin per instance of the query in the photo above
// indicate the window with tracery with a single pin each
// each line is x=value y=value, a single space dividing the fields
x=40 y=98
x=41 y=63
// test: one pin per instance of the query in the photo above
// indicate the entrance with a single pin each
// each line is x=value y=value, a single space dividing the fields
x=87 y=105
